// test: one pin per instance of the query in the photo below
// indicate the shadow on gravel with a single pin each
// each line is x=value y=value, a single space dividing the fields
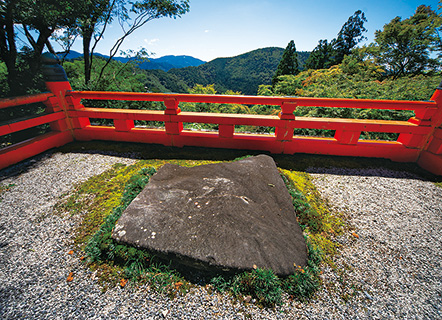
x=25 y=165
x=298 y=162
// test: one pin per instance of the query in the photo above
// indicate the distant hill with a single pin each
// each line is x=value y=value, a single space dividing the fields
x=242 y=73
x=162 y=81
x=163 y=63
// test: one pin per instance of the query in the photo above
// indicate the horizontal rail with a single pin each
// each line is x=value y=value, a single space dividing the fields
x=31 y=147
x=60 y=134
x=257 y=100
x=17 y=101
x=254 y=120
x=299 y=144
x=30 y=122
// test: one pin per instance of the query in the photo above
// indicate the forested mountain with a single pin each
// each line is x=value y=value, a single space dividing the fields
x=242 y=73
x=163 y=63
x=162 y=81
x=175 y=62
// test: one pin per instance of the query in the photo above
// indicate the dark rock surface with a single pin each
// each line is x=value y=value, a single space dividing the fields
x=227 y=216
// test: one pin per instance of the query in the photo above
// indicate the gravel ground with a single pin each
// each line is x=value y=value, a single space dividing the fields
x=394 y=265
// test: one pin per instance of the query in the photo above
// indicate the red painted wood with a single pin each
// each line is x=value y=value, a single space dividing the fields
x=122 y=114
x=156 y=136
x=263 y=100
x=435 y=146
x=17 y=101
x=123 y=125
x=431 y=162
x=29 y=148
x=256 y=120
x=347 y=137
x=29 y=123
x=226 y=131
x=417 y=134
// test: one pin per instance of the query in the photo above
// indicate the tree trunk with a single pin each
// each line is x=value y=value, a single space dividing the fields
x=87 y=38
x=8 y=49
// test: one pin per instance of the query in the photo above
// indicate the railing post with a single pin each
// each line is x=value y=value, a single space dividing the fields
x=172 y=109
x=57 y=82
x=284 y=132
x=123 y=125
x=226 y=131
x=431 y=156
x=347 y=137
x=421 y=118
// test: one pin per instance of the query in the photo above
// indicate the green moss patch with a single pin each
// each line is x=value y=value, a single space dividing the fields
x=315 y=217
x=4 y=188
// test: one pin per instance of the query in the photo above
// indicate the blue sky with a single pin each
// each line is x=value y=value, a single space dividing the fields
x=228 y=28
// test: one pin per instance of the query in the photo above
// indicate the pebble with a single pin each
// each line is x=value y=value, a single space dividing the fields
x=394 y=265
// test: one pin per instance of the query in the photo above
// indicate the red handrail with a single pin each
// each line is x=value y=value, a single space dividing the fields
x=53 y=116
x=17 y=101
x=259 y=100
x=420 y=138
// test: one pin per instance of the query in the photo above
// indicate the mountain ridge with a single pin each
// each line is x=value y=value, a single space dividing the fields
x=243 y=73
x=162 y=63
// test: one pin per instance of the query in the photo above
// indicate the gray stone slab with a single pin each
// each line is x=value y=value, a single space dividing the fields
x=228 y=216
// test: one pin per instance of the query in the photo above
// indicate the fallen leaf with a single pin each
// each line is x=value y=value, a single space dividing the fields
x=123 y=282
x=70 y=277
x=81 y=258
x=71 y=252
x=355 y=235
x=178 y=285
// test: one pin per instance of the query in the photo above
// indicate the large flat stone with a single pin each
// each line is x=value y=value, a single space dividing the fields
x=228 y=216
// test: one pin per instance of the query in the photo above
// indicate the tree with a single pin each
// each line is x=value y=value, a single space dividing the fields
x=349 y=36
x=405 y=46
x=288 y=64
x=320 y=57
x=92 y=23
x=8 y=48
x=130 y=15
x=37 y=20
x=44 y=18
x=327 y=54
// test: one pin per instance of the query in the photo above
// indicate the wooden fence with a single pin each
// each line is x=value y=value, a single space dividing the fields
x=419 y=138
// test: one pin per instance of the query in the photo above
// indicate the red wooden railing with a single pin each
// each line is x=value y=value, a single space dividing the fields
x=54 y=116
x=420 y=138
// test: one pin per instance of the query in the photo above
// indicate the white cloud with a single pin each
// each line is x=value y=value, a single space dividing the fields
x=62 y=32
x=151 y=41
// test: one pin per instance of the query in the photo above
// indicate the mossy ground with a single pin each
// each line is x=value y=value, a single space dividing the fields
x=98 y=198
x=4 y=188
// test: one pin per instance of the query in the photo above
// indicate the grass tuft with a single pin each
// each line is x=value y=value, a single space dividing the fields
x=261 y=284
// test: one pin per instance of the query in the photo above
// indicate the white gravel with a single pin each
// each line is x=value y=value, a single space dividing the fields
x=395 y=264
